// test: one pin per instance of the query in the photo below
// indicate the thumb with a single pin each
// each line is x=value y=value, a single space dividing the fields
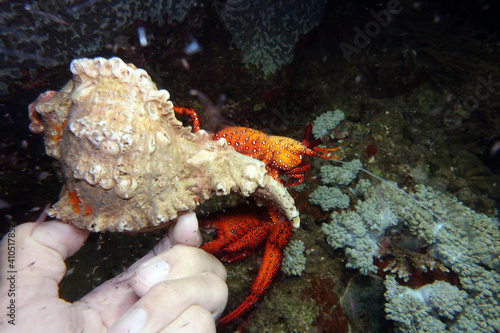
x=184 y=231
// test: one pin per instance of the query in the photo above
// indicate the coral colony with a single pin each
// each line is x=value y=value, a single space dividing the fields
x=325 y=124
x=456 y=238
x=294 y=261
x=270 y=42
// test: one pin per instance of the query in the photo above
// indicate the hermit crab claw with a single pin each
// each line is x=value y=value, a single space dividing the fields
x=326 y=153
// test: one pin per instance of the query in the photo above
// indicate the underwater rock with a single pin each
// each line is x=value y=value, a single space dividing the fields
x=128 y=163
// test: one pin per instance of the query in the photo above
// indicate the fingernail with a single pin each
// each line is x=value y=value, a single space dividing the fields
x=131 y=322
x=186 y=225
x=152 y=272
x=189 y=221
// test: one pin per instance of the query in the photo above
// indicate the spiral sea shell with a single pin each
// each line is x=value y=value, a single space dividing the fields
x=128 y=163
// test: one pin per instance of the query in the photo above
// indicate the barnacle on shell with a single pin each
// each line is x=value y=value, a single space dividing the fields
x=126 y=186
x=128 y=163
x=106 y=183
x=110 y=147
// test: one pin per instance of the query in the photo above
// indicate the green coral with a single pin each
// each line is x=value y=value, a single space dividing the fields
x=422 y=310
x=360 y=231
x=294 y=261
x=329 y=198
x=466 y=242
x=342 y=175
x=326 y=123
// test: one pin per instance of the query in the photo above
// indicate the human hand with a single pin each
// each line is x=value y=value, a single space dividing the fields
x=176 y=287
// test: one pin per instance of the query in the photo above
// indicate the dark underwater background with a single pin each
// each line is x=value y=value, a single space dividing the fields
x=418 y=82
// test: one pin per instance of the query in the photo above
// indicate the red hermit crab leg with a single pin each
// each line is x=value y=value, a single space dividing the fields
x=279 y=236
x=191 y=113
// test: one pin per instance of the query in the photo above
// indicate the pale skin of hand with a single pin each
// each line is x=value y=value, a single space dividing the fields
x=176 y=287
